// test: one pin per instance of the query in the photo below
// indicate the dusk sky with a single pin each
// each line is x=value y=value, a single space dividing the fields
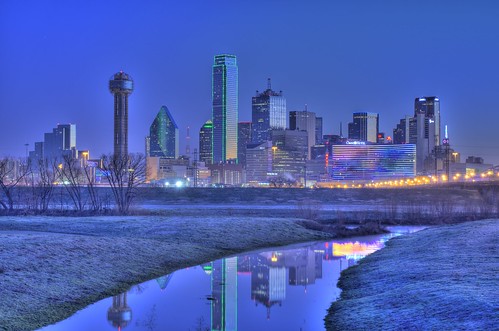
x=338 y=57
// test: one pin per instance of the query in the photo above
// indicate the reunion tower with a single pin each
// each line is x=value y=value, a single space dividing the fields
x=121 y=86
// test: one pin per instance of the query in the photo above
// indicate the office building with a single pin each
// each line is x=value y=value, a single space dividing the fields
x=361 y=162
x=318 y=131
x=121 y=86
x=401 y=133
x=167 y=169
x=430 y=107
x=225 y=108
x=205 y=142
x=304 y=121
x=61 y=141
x=268 y=112
x=163 y=140
x=364 y=127
x=259 y=162
x=227 y=174
x=290 y=149
x=244 y=138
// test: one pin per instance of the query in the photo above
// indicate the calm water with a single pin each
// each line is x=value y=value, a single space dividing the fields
x=286 y=288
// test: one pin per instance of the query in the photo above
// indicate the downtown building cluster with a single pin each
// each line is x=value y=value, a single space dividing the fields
x=288 y=148
x=277 y=147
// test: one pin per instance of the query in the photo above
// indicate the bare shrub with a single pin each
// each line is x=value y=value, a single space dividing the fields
x=309 y=209
x=12 y=172
x=95 y=201
x=415 y=211
x=70 y=174
x=392 y=210
x=44 y=187
x=124 y=174
x=443 y=208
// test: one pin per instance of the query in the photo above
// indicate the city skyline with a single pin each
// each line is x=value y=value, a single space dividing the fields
x=344 y=78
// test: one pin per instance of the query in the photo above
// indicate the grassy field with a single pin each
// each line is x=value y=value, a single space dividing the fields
x=51 y=267
x=443 y=278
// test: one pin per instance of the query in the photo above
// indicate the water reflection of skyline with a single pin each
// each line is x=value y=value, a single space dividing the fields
x=244 y=291
x=270 y=273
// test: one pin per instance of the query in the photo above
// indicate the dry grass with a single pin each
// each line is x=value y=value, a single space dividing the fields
x=443 y=278
x=51 y=267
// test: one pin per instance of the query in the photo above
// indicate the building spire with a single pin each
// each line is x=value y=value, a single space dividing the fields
x=269 y=85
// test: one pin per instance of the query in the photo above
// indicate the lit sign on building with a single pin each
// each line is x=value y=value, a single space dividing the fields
x=355 y=142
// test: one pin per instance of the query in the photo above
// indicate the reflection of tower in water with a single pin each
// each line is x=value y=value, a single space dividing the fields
x=268 y=282
x=224 y=294
x=119 y=314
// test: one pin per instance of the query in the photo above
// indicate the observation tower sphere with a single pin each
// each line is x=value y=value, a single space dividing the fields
x=121 y=86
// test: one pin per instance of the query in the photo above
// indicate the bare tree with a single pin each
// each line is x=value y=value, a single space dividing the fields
x=124 y=174
x=95 y=200
x=47 y=173
x=12 y=172
x=70 y=173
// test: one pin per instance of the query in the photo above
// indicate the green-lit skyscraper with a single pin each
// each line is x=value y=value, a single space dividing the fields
x=225 y=108
x=163 y=135
x=205 y=142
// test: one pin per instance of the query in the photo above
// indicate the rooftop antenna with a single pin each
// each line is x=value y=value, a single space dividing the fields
x=306 y=107
x=269 y=85
x=341 y=129
x=446 y=133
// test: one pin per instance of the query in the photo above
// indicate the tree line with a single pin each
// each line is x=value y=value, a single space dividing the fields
x=31 y=186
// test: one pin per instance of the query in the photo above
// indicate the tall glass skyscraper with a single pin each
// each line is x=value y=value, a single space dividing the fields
x=225 y=108
x=163 y=135
x=430 y=107
x=205 y=142
x=268 y=112
x=121 y=86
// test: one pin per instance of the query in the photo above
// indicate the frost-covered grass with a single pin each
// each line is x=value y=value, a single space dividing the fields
x=443 y=278
x=52 y=266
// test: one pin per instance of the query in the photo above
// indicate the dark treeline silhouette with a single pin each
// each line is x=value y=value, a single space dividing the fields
x=68 y=185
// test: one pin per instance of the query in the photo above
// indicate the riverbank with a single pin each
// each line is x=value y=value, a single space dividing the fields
x=443 y=278
x=51 y=267
x=432 y=205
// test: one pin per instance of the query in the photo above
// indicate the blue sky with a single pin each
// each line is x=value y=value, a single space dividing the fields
x=338 y=57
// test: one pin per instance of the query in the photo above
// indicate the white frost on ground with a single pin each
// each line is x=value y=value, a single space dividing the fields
x=51 y=267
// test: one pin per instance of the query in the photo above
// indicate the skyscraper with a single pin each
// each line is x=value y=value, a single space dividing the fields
x=163 y=135
x=121 y=86
x=61 y=141
x=430 y=107
x=365 y=127
x=225 y=108
x=205 y=142
x=243 y=139
x=304 y=121
x=318 y=131
x=268 y=112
